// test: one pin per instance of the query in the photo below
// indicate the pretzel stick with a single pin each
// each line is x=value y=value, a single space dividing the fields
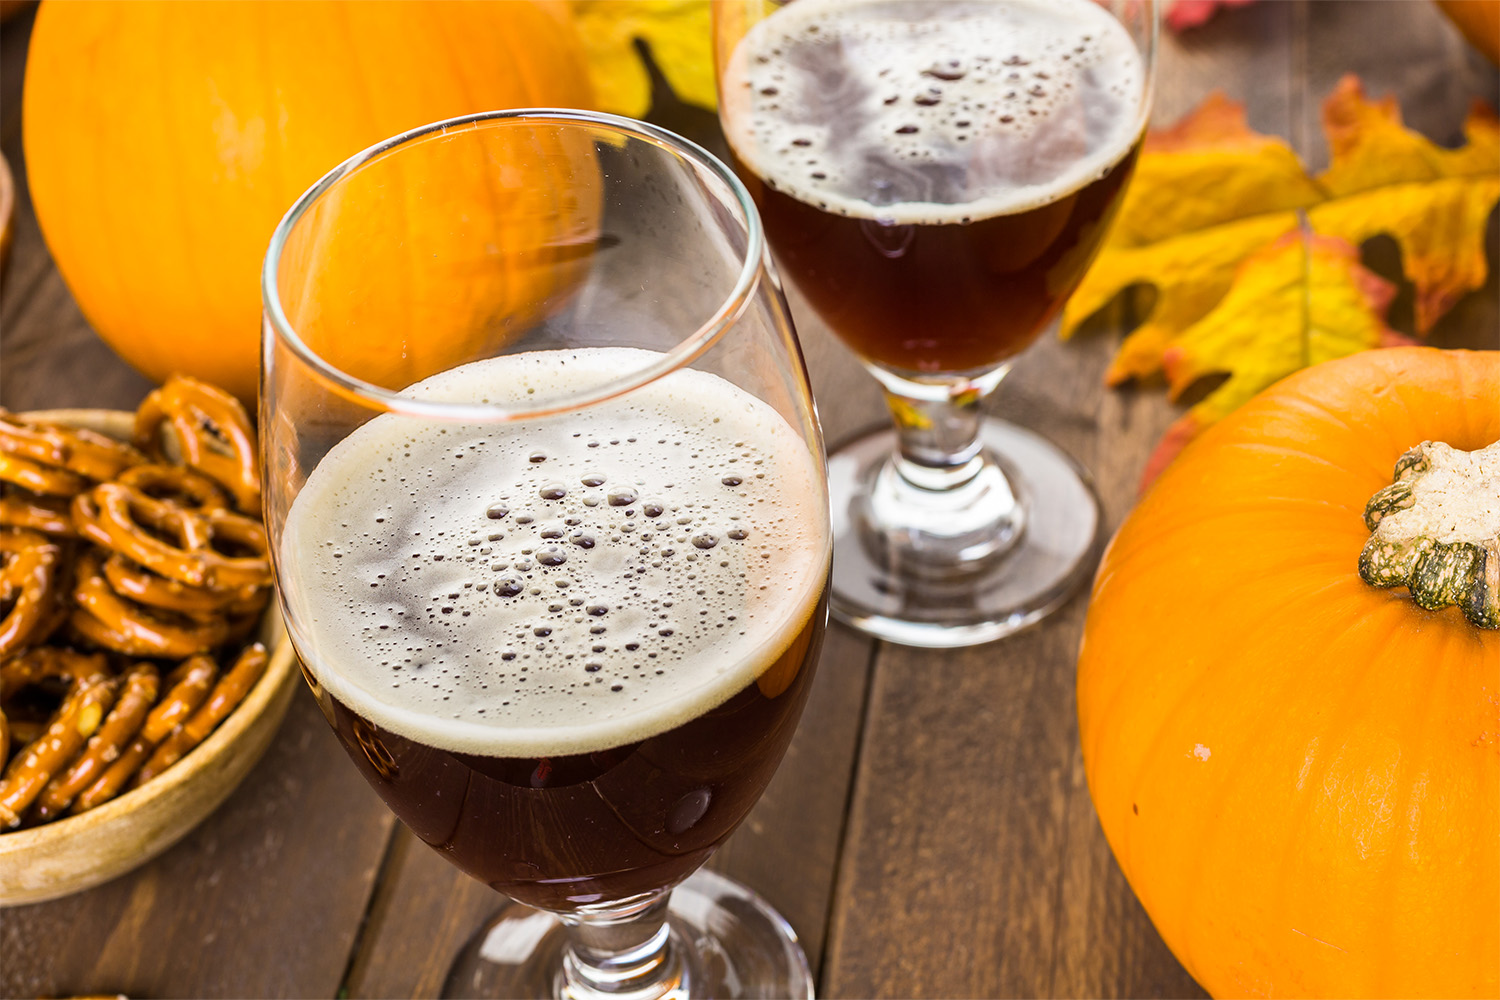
x=72 y=724
x=228 y=693
x=140 y=685
x=190 y=684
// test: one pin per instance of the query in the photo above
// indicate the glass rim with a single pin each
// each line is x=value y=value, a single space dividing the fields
x=689 y=347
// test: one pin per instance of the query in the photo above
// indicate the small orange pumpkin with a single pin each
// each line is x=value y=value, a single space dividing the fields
x=164 y=141
x=1299 y=772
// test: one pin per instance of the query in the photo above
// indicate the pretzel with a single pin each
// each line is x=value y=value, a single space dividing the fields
x=125 y=520
x=107 y=620
x=29 y=578
x=43 y=662
x=143 y=586
x=74 y=449
x=138 y=691
x=212 y=430
x=82 y=709
x=49 y=515
x=39 y=478
x=175 y=485
x=228 y=693
x=190 y=684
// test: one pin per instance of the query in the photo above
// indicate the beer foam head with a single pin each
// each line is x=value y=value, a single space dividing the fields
x=563 y=585
x=933 y=111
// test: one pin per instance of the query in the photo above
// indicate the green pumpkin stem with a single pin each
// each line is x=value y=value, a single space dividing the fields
x=1436 y=531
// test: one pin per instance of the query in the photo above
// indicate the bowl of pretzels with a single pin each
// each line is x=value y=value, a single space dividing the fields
x=143 y=665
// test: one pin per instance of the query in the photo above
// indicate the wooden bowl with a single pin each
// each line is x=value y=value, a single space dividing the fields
x=79 y=852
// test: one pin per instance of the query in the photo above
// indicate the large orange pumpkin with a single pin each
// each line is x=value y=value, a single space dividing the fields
x=1300 y=773
x=164 y=141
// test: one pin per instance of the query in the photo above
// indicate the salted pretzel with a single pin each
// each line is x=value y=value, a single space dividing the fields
x=125 y=520
x=49 y=515
x=138 y=584
x=90 y=694
x=108 y=620
x=74 y=449
x=175 y=485
x=228 y=693
x=188 y=686
x=212 y=431
x=138 y=690
x=29 y=578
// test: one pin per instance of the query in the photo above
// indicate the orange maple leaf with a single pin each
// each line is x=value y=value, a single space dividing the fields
x=1214 y=221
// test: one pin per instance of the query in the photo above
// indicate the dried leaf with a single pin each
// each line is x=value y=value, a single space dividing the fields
x=1211 y=221
x=681 y=43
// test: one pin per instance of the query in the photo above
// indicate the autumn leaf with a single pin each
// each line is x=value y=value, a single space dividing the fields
x=1301 y=300
x=1213 y=221
x=681 y=43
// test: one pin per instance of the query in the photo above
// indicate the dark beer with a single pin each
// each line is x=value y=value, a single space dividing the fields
x=936 y=175
x=568 y=653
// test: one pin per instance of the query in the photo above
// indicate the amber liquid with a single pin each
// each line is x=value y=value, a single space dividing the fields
x=959 y=297
x=563 y=832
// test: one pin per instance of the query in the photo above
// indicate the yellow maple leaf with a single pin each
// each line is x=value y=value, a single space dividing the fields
x=1301 y=300
x=1211 y=220
x=679 y=37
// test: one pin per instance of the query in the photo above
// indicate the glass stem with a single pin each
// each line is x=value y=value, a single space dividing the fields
x=625 y=953
x=941 y=498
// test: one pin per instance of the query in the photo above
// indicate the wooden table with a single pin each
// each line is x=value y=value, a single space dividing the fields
x=930 y=833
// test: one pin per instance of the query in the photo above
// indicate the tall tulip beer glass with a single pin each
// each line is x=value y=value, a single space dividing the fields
x=550 y=525
x=936 y=176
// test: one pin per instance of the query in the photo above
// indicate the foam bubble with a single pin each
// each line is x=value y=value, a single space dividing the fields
x=578 y=626
x=915 y=112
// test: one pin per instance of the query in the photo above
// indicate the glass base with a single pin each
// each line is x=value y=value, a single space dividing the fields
x=731 y=943
x=880 y=592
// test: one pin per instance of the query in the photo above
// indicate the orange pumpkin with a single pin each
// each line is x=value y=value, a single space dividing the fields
x=164 y=141
x=1298 y=772
x=1479 y=21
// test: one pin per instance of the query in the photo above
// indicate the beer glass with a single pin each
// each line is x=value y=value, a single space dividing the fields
x=549 y=516
x=936 y=176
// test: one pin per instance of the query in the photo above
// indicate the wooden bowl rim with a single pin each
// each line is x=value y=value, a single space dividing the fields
x=278 y=671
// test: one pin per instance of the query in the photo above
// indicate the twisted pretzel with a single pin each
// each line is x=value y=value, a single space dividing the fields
x=145 y=587
x=228 y=693
x=125 y=520
x=43 y=662
x=88 y=698
x=74 y=449
x=212 y=430
x=190 y=684
x=39 y=478
x=135 y=630
x=49 y=515
x=139 y=689
x=29 y=578
x=175 y=485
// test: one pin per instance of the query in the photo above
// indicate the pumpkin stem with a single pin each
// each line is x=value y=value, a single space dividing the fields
x=1436 y=531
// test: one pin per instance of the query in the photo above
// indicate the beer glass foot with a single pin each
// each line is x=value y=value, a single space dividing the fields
x=730 y=941
x=1051 y=558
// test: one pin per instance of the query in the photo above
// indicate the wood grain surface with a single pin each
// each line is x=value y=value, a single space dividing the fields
x=930 y=833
